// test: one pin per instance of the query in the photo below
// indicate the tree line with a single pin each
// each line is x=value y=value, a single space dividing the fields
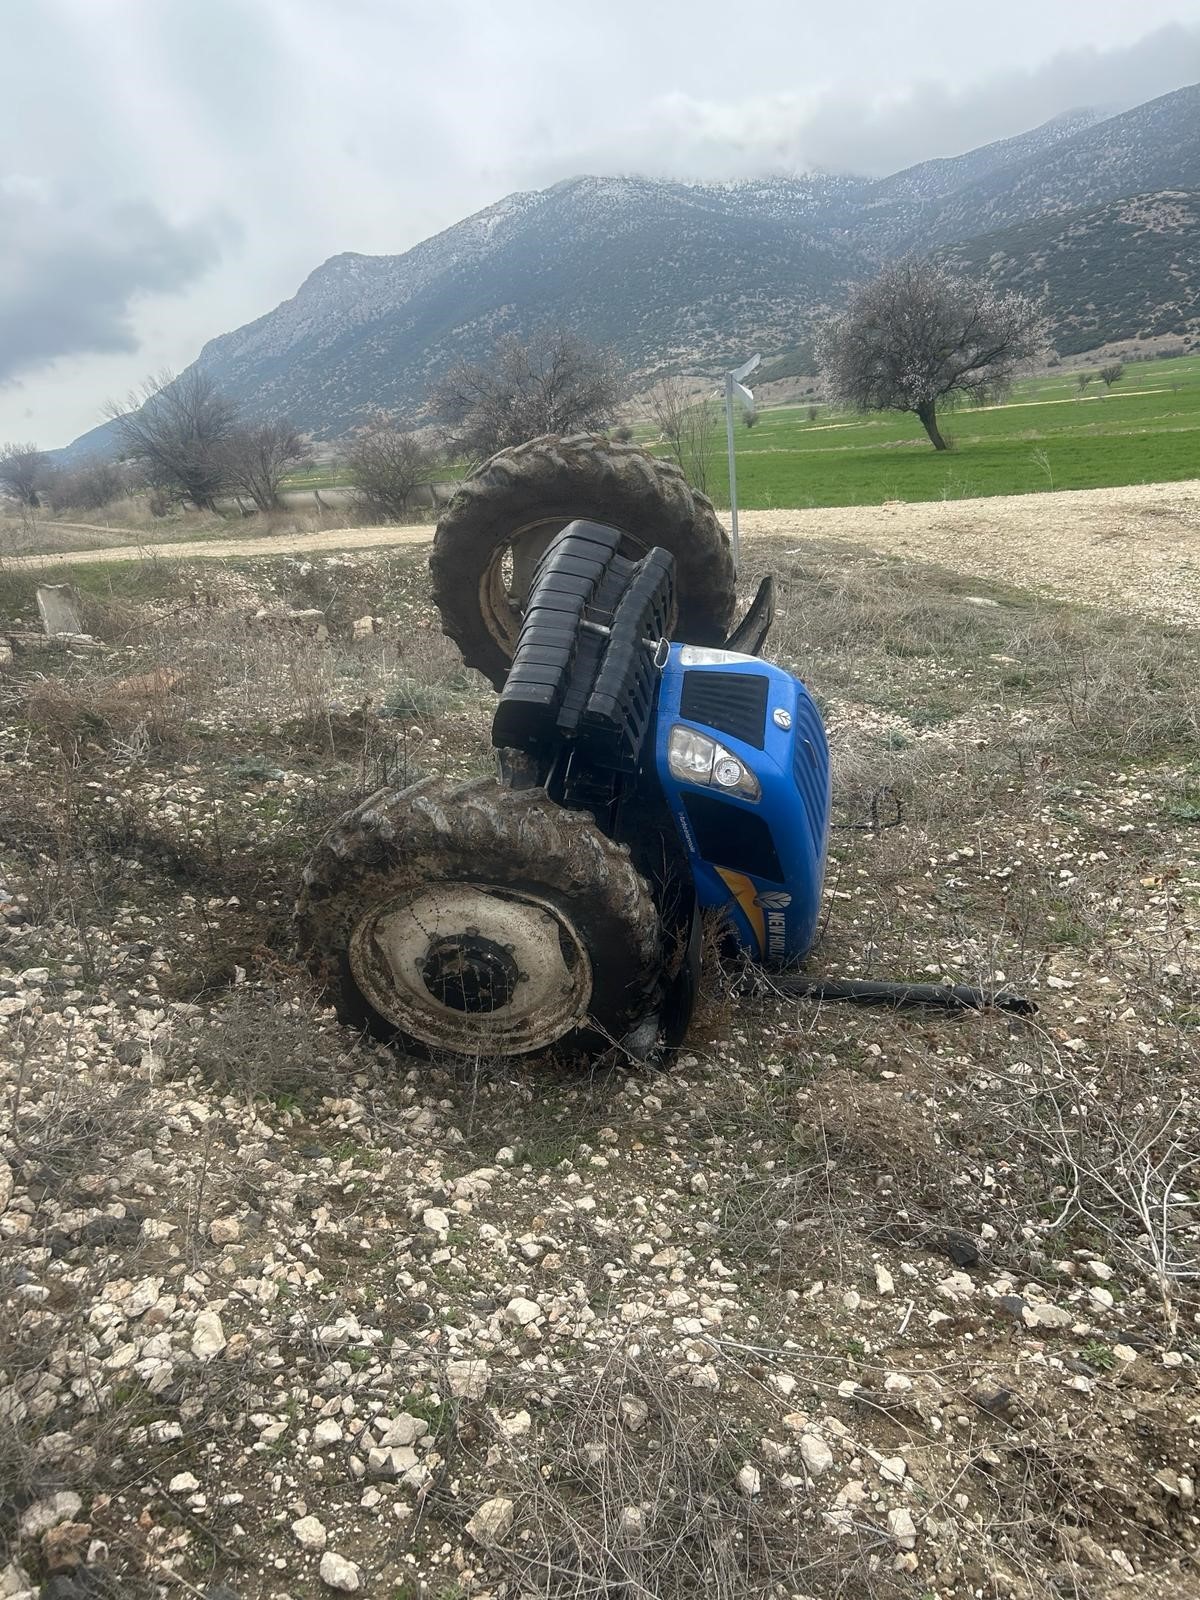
x=182 y=441
x=916 y=338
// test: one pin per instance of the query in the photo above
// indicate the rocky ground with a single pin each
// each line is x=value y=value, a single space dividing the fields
x=831 y=1303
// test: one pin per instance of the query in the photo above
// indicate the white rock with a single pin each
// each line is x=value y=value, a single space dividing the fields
x=43 y=1515
x=902 y=1529
x=468 y=1378
x=6 y=1184
x=492 y=1521
x=749 y=1479
x=328 y=1431
x=892 y=1469
x=635 y=1311
x=634 y=1412
x=523 y=1312
x=884 y=1281
x=183 y=1483
x=958 y=1286
x=346 y=1330
x=391 y=1461
x=141 y=1297
x=362 y=628
x=436 y=1220
x=14 y=1581
x=208 y=1336
x=815 y=1454
x=1100 y=1297
x=516 y=1426
x=309 y=1533
x=1041 y=1314
x=403 y=1430
x=783 y=1382
x=338 y=1573
x=225 y=1230
x=1100 y=1270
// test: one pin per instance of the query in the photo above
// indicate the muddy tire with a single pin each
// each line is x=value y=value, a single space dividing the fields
x=514 y=503
x=474 y=920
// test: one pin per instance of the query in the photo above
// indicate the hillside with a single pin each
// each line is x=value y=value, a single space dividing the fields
x=1125 y=269
x=1152 y=148
x=677 y=275
x=933 y=180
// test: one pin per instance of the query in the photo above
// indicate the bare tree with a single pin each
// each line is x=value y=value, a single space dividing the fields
x=1112 y=373
x=685 y=421
x=259 y=455
x=917 y=337
x=177 y=431
x=555 y=383
x=24 y=473
x=86 y=487
x=386 y=463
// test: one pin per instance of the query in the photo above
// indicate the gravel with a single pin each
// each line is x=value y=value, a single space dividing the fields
x=1130 y=548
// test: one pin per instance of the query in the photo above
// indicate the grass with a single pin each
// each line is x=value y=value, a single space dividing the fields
x=1144 y=430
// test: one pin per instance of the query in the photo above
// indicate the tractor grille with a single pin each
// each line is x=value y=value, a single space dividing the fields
x=731 y=702
x=810 y=767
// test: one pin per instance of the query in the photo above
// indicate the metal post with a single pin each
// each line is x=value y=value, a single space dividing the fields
x=732 y=463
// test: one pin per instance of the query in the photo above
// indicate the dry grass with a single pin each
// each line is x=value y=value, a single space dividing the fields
x=633 y=1491
x=1045 y=762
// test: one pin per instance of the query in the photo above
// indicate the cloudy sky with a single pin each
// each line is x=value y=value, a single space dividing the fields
x=170 y=169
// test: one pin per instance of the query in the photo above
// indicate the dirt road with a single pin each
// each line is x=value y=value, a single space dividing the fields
x=1135 y=548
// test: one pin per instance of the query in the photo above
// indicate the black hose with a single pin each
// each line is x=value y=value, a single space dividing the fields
x=868 y=992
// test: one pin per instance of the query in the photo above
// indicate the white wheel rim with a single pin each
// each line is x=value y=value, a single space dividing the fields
x=476 y=969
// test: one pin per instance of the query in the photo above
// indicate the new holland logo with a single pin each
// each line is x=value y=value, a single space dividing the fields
x=773 y=900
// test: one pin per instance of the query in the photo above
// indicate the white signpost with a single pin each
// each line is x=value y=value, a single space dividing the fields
x=734 y=385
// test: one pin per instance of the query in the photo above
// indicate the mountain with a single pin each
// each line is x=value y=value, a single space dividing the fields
x=1115 y=271
x=933 y=180
x=1154 y=147
x=656 y=269
x=1100 y=210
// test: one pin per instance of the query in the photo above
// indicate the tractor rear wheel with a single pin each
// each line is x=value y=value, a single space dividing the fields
x=477 y=921
x=504 y=515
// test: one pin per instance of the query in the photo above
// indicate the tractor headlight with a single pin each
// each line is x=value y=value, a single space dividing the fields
x=703 y=655
x=692 y=757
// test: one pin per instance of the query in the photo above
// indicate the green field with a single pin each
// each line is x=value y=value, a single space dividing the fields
x=1146 y=429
